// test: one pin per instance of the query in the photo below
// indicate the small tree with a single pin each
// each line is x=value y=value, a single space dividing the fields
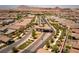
x=68 y=46
x=55 y=49
x=33 y=34
x=52 y=40
x=19 y=16
x=47 y=44
x=15 y=50
x=65 y=50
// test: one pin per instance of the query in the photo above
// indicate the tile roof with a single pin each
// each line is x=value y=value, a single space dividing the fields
x=4 y=38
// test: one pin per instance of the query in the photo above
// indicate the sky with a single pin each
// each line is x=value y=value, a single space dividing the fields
x=62 y=6
x=44 y=6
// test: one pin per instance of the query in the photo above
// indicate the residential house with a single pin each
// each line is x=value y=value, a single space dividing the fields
x=5 y=39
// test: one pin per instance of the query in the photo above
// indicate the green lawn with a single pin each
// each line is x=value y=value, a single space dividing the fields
x=25 y=44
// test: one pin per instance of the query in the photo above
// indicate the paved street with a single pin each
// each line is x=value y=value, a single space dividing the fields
x=9 y=47
x=41 y=43
x=38 y=44
x=50 y=25
x=39 y=29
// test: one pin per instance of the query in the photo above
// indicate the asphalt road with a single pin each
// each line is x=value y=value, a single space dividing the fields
x=9 y=47
x=38 y=44
x=34 y=47
x=50 y=25
x=41 y=41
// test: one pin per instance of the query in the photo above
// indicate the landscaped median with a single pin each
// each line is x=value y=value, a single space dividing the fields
x=25 y=44
x=28 y=42
x=54 y=44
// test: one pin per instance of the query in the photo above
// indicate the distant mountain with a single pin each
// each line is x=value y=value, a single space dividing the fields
x=36 y=6
x=22 y=7
x=28 y=7
x=8 y=6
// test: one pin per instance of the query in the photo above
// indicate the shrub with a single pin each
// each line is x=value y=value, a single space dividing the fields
x=33 y=34
x=15 y=50
x=47 y=44
x=55 y=49
x=19 y=16
x=68 y=46
x=65 y=50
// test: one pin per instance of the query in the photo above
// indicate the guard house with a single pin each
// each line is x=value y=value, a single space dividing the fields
x=43 y=29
